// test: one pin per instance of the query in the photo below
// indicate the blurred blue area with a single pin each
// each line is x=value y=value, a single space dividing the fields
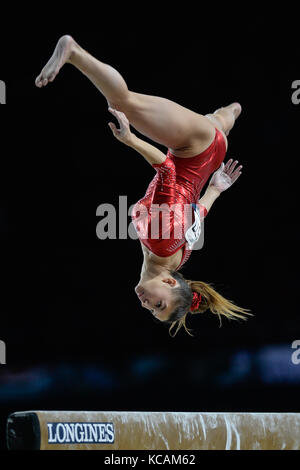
x=62 y=379
x=268 y=365
x=28 y=383
x=146 y=367
x=271 y=364
x=239 y=370
x=275 y=365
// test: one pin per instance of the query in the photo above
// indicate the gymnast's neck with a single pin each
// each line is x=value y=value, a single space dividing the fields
x=154 y=265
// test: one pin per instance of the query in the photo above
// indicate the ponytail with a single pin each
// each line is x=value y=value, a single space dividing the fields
x=210 y=300
x=216 y=303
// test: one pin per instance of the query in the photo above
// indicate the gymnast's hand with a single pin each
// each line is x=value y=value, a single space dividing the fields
x=226 y=175
x=123 y=134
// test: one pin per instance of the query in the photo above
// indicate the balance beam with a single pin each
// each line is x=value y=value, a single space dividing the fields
x=116 y=430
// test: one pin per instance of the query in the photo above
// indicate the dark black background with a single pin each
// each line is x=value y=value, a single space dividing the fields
x=76 y=336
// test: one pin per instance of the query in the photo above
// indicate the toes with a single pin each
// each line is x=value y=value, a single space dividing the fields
x=52 y=77
x=38 y=81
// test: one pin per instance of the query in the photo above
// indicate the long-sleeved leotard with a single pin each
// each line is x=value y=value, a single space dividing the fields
x=164 y=218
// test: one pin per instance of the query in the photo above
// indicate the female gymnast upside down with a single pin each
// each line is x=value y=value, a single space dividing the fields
x=196 y=145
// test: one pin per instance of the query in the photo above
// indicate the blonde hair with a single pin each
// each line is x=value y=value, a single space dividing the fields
x=211 y=300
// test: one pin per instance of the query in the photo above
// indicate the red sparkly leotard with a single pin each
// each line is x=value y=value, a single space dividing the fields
x=177 y=184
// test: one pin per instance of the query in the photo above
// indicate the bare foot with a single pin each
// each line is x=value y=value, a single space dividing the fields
x=60 y=56
x=237 y=109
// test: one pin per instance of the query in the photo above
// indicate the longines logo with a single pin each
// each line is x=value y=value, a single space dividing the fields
x=81 y=433
x=2 y=92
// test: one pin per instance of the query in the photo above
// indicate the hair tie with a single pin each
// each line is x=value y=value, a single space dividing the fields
x=196 y=301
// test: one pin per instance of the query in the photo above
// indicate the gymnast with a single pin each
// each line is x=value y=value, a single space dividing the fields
x=196 y=147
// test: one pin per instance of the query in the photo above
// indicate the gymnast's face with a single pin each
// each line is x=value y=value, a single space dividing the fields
x=156 y=295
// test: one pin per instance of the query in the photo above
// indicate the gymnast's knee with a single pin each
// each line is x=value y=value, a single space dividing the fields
x=226 y=119
x=125 y=102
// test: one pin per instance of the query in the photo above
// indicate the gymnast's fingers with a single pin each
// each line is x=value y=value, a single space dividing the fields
x=232 y=167
x=235 y=176
x=113 y=128
x=119 y=118
x=228 y=164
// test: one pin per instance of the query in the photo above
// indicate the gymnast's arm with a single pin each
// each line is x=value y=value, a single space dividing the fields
x=149 y=152
x=210 y=196
x=221 y=180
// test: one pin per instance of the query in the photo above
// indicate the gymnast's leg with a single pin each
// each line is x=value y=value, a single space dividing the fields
x=224 y=118
x=160 y=119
